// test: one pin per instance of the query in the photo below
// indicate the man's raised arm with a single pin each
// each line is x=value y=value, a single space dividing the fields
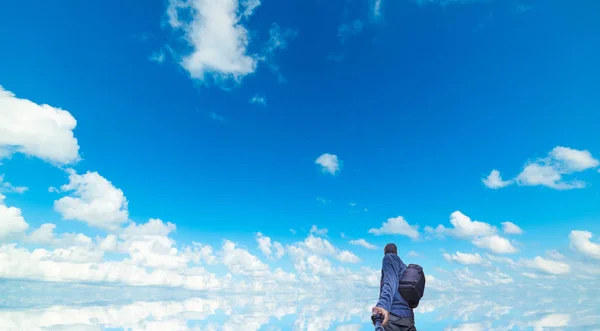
x=390 y=283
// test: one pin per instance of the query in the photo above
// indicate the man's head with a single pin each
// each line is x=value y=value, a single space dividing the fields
x=390 y=248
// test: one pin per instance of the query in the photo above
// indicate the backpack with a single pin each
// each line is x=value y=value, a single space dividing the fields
x=411 y=285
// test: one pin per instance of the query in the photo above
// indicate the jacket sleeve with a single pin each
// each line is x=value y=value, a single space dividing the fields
x=390 y=283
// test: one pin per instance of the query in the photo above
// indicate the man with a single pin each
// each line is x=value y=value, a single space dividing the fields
x=397 y=314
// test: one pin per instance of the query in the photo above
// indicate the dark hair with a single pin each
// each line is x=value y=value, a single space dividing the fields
x=390 y=248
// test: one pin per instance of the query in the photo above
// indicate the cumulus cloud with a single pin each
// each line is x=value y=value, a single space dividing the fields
x=329 y=163
x=494 y=180
x=495 y=244
x=348 y=257
x=464 y=227
x=581 y=242
x=363 y=243
x=93 y=200
x=23 y=123
x=319 y=232
x=11 y=221
x=549 y=171
x=397 y=226
x=511 y=228
x=465 y=258
x=267 y=247
x=217 y=38
x=547 y=266
x=19 y=263
x=240 y=261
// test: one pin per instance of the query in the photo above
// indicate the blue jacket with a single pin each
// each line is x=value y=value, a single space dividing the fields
x=389 y=297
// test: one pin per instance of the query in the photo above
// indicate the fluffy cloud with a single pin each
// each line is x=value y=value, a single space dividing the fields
x=36 y=130
x=266 y=246
x=551 y=321
x=465 y=258
x=240 y=261
x=11 y=221
x=464 y=227
x=496 y=244
x=494 y=180
x=329 y=163
x=397 y=225
x=347 y=257
x=511 y=228
x=549 y=171
x=94 y=200
x=581 y=242
x=363 y=243
x=18 y=263
x=216 y=36
x=548 y=266
x=319 y=232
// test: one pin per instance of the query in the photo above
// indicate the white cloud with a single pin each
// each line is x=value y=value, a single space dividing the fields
x=376 y=8
x=548 y=266
x=319 y=232
x=329 y=163
x=18 y=263
x=43 y=235
x=363 y=243
x=494 y=181
x=572 y=160
x=6 y=187
x=347 y=257
x=11 y=221
x=397 y=225
x=158 y=56
x=319 y=245
x=216 y=117
x=465 y=258
x=154 y=227
x=413 y=254
x=464 y=227
x=498 y=277
x=349 y=327
x=346 y=31
x=500 y=259
x=266 y=246
x=468 y=327
x=551 y=321
x=218 y=40
x=560 y=161
x=496 y=244
x=530 y=275
x=322 y=200
x=240 y=261
x=36 y=130
x=94 y=200
x=511 y=228
x=259 y=99
x=249 y=6
x=581 y=242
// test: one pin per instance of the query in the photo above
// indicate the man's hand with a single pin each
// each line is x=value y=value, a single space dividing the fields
x=385 y=313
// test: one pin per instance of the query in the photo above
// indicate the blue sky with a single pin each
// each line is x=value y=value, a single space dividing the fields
x=216 y=120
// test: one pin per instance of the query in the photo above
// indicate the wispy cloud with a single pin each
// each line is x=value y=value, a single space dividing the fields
x=216 y=117
x=259 y=99
x=346 y=31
